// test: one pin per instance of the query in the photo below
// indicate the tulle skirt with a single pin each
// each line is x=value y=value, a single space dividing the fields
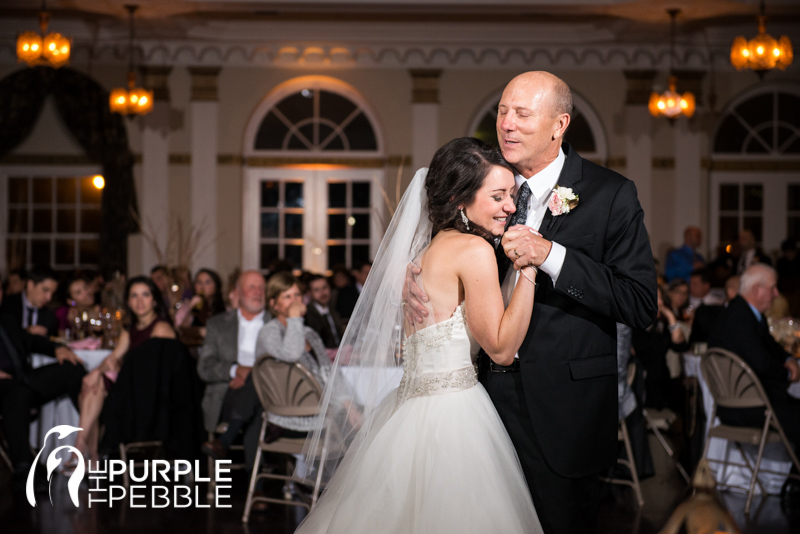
x=438 y=464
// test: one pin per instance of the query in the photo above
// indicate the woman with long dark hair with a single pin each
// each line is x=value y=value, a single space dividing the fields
x=417 y=454
x=148 y=319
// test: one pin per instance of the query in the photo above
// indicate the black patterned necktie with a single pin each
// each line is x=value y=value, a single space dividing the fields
x=519 y=217
x=30 y=316
x=523 y=196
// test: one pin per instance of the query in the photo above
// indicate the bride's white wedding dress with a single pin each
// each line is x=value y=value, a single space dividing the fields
x=437 y=458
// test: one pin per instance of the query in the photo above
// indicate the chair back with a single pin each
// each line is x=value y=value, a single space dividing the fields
x=732 y=382
x=286 y=389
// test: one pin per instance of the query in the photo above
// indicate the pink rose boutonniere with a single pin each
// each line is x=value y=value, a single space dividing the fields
x=562 y=201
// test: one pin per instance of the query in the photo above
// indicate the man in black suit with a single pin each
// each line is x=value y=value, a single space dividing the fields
x=29 y=308
x=23 y=388
x=559 y=400
x=742 y=328
x=320 y=316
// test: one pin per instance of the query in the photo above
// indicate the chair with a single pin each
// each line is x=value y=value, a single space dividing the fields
x=3 y=445
x=628 y=461
x=126 y=448
x=662 y=420
x=286 y=389
x=733 y=384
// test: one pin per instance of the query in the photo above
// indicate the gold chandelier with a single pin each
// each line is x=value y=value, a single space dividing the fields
x=763 y=52
x=43 y=49
x=670 y=103
x=131 y=100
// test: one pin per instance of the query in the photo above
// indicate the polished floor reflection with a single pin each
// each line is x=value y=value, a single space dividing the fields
x=619 y=513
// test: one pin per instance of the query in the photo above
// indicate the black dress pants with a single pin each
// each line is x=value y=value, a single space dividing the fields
x=241 y=409
x=564 y=505
x=18 y=398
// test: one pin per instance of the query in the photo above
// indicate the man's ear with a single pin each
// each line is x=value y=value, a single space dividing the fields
x=560 y=127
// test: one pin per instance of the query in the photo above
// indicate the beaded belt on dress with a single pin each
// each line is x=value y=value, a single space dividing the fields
x=436 y=383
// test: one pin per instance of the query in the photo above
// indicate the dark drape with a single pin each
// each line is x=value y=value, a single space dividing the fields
x=83 y=105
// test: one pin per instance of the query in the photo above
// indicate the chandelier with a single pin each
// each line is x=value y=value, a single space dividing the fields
x=131 y=100
x=43 y=49
x=670 y=103
x=763 y=52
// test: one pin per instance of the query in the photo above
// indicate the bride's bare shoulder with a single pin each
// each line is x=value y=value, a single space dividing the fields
x=455 y=245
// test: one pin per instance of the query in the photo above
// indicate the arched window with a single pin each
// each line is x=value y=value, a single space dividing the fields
x=754 y=182
x=585 y=132
x=762 y=122
x=313 y=178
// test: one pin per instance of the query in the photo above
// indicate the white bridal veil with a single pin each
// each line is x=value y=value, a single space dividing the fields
x=371 y=344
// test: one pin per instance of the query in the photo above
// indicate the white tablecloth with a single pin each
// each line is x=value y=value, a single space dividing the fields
x=59 y=411
x=775 y=456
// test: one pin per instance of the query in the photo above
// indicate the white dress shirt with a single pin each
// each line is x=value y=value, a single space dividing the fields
x=542 y=184
x=248 y=334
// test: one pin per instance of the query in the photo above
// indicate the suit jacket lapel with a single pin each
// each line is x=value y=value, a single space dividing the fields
x=571 y=174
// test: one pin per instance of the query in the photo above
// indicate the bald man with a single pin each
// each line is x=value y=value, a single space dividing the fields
x=559 y=400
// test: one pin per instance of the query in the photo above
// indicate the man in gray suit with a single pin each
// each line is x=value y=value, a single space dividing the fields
x=226 y=359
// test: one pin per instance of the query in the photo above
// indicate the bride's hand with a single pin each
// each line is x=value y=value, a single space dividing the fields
x=525 y=246
x=413 y=297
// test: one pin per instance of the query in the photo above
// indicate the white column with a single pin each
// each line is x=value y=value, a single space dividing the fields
x=639 y=138
x=424 y=116
x=204 y=126
x=154 y=204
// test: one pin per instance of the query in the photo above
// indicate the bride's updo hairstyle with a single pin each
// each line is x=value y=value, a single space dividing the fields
x=455 y=175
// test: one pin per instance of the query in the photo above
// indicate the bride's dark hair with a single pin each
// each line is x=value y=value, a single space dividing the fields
x=454 y=176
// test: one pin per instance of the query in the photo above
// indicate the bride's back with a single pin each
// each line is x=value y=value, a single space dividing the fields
x=439 y=277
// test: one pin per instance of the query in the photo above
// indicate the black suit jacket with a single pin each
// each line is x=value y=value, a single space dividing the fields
x=738 y=331
x=12 y=305
x=568 y=359
x=320 y=325
x=705 y=317
x=23 y=345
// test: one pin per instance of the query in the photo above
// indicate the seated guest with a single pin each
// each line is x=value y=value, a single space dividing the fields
x=677 y=298
x=345 y=293
x=29 y=308
x=650 y=346
x=742 y=329
x=700 y=291
x=319 y=316
x=148 y=320
x=225 y=361
x=206 y=302
x=15 y=282
x=288 y=339
x=23 y=388
x=160 y=276
x=80 y=300
x=732 y=288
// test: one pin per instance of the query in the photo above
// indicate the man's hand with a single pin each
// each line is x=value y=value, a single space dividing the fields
x=4 y=375
x=794 y=370
x=236 y=383
x=414 y=298
x=37 y=330
x=241 y=373
x=63 y=354
x=525 y=246
x=92 y=381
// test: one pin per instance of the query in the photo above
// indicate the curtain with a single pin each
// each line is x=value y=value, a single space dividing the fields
x=83 y=105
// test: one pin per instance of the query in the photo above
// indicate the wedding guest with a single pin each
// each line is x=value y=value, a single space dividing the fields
x=701 y=292
x=148 y=319
x=750 y=254
x=29 y=307
x=651 y=345
x=345 y=294
x=287 y=338
x=160 y=276
x=80 y=300
x=15 y=282
x=319 y=315
x=742 y=329
x=225 y=362
x=22 y=388
x=732 y=288
x=682 y=261
x=677 y=298
x=206 y=302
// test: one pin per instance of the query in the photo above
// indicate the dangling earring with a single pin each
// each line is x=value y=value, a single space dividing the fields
x=464 y=218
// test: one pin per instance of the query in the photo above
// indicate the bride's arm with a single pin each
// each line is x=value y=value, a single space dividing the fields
x=499 y=331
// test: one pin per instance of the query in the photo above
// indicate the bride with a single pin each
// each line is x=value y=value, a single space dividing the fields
x=430 y=455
